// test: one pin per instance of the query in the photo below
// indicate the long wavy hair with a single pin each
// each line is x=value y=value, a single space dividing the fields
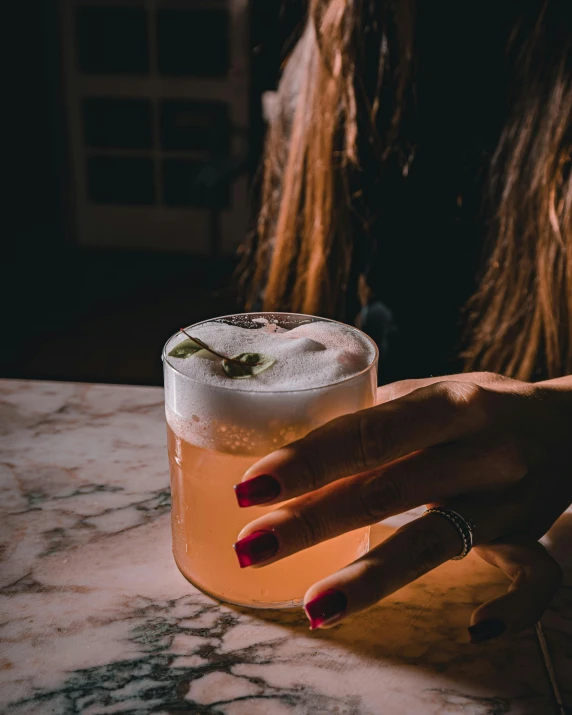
x=342 y=125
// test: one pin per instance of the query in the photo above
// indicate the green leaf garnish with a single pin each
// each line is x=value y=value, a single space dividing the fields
x=185 y=349
x=246 y=365
x=238 y=367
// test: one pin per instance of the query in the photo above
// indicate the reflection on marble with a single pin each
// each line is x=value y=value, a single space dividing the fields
x=96 y=619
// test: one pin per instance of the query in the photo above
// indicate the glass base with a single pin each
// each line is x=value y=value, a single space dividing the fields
x=262 y=605
x=256 y=605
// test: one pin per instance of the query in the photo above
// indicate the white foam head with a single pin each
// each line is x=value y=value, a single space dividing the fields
x=322 y=369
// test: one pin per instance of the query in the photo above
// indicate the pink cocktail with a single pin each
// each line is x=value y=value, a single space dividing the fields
x=219 y=426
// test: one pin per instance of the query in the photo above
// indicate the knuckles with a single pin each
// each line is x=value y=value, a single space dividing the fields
x=378 y=443
x=375 y=444
x=468 y=401
x=460 y=394
x=426 y=546
x=309 y=531
x=381 y=495
x=310 y=472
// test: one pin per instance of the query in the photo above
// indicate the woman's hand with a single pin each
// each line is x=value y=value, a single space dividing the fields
x=495 y=450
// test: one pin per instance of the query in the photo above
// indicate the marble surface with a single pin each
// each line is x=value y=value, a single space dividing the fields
x=96 y=619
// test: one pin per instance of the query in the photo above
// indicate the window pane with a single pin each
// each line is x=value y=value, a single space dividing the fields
x=120 y=180
x=201 y=126
x=193 y=42
x=124 y=123
x=186 y=183
x=112 y=40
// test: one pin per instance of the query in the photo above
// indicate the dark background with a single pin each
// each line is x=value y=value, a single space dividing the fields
x=89 y=314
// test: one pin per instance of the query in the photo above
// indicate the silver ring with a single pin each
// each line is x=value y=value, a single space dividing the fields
x=463 y=526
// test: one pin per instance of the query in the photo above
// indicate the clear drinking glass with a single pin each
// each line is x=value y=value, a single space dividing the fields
x=209 y=452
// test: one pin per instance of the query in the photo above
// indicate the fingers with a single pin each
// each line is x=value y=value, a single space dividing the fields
x=423 y=545
x=415 y=549
x=356 y=443
x=411 y=552
x=433 y=475
x=535 y=577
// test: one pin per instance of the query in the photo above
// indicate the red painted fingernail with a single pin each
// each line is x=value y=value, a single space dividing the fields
x=486 y=630
x=255 y=548
x=257 y=490
x=325 y=607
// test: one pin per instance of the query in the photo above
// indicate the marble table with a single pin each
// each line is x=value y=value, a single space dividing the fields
x=96 y=619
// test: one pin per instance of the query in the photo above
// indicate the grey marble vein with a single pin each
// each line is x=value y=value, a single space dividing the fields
x=96 y=619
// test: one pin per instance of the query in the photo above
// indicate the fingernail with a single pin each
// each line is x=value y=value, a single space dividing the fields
x=258 y=490
x=255 y=548
x=486 y=630
x=326 y=607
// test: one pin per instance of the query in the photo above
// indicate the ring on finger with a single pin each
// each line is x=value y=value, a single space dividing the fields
x=463 y=526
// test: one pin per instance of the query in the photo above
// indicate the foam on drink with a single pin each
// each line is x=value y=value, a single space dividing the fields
x=311 y=355
x=256 y=415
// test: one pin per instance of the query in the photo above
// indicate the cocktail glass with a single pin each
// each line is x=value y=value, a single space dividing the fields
x=214 y=435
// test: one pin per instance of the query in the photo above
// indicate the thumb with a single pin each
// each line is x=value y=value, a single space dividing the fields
x=535 y=577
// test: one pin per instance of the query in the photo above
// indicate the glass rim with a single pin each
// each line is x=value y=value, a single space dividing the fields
x=263 y=314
